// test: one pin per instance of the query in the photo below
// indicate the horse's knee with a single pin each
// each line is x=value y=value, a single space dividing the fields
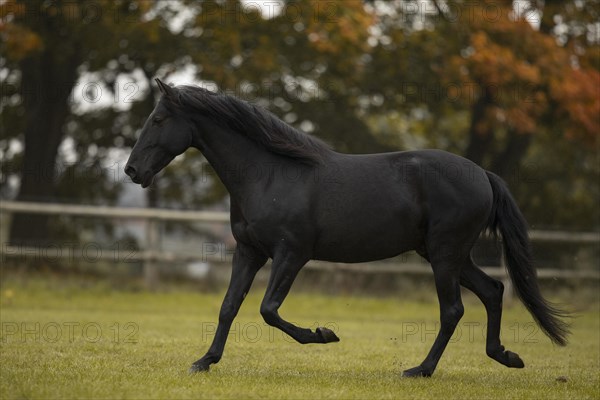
x=269 y=313
x=458 y=310
x=451 y=315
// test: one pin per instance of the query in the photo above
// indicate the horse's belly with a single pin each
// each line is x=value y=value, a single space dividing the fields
x=345 y=253
x=355 y=242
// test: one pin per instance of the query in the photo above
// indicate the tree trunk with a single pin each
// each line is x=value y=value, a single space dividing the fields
x=47 y=80
x=507 y=163
x=480 y=138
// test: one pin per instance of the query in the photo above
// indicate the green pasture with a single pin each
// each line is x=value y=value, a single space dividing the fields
x=78 y=340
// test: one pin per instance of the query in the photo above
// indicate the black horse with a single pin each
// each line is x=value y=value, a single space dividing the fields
x=294 y=199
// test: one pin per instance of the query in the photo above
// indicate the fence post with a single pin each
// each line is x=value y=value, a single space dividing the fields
x=152 y=246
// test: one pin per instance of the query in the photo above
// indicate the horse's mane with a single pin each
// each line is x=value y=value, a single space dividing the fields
x=254 y=122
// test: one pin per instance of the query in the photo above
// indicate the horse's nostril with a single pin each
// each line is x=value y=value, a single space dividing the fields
x=130 y=171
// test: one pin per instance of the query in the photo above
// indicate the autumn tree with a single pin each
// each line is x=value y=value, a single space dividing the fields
x=304 y=62
x=500 y=82
x=47 y=47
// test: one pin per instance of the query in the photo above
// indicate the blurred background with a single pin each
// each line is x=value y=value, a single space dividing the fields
x=511 y=85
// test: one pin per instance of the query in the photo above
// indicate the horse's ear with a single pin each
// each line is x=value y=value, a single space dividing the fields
x=165 y=89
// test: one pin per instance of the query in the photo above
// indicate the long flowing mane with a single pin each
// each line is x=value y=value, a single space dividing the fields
x=254 y=122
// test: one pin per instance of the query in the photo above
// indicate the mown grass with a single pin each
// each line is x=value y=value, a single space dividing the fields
x=169 y=330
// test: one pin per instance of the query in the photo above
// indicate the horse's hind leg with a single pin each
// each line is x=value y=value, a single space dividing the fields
x=490 y=292
x=446 y=274
x=284 y=270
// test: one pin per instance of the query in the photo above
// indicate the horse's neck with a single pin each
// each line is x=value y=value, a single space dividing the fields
x=231 y=155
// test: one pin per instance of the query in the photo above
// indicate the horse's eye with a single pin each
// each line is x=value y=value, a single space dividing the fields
x=158 y=120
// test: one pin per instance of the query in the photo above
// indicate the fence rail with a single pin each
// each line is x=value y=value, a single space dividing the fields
x=113 y=212
x=151 y=256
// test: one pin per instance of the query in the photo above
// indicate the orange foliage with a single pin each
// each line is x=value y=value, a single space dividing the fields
x=529 y=73
x=19 y=41
x=578 y=97
x=333 y=25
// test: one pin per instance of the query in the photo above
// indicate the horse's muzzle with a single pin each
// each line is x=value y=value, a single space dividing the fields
x=132 y=173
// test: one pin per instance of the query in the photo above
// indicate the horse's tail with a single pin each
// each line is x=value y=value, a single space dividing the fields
x=506 y=218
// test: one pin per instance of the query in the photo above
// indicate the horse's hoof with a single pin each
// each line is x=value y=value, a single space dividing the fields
x=507 y=358
x=327 y=335
x=513 y=360
x=198 y=367
x=416 y=372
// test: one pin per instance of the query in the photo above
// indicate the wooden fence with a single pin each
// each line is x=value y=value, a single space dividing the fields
x=151 y=255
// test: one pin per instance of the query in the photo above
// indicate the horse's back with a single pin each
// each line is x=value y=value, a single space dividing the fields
x=380 y=205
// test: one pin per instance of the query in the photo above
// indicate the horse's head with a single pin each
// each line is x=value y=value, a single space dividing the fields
x=165 y=135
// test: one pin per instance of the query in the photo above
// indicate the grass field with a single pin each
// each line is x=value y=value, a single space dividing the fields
x=62 y=341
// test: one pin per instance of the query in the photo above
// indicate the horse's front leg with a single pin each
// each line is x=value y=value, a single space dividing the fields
x=284 y=270
x=246 y=263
